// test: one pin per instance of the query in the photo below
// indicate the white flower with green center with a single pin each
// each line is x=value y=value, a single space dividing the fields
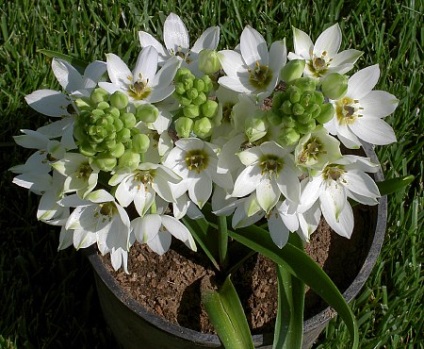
x=316 y=149
x=145 y=83
x=157 y=230
x=99 y=219
x=177 y=42
x=270 y=171
x=359 y=113
x=141 y=186
x=81 y=177
x=255 y=70
x=196 y=162
x=338 y=181
x=322 y=58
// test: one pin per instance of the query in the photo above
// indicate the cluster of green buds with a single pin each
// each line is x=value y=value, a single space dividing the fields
x=105 y=130
x=197 y=110
x=299 y=109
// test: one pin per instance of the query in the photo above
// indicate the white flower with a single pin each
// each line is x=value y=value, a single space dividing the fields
x=140 y=186
x=255 y=70
x=144 y=83
x=99 y=219
x=177 y=42
x=270 y=171
x=322 y=58
x=340 y=180
x=196 y=162
x=81 y=177
x=358 y=114
x=157 y=230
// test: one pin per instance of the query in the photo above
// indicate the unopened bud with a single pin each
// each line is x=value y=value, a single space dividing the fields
x=209 y=108
x=118 y=150
x=289 y=136
x=99 y=95
x=191 y=111
x=334 y=86
x=202 y=127
x=209 y=61
x=292 y=70
x=184 y=126
x=256 y=128
x=327 y=113
x=129 y=160
x=129 y=120
x=105 y=162
x=140 y=143
x=147 y=113
x=119 y=100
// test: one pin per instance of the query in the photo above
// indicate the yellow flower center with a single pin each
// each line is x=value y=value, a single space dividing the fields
x=139 y=89
x=347 y=110
x=333 y=172
x=270 y=164
x=196 y=160
x=312 y=149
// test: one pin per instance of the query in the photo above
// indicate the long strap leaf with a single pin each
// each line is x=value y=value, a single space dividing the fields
x=227 y=316
x=300 y=265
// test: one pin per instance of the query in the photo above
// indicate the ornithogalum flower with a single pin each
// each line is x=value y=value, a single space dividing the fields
x=359 y=113
x=254 y=70
x=322 y=58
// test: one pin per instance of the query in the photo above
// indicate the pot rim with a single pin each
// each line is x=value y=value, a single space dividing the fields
x=309 y=325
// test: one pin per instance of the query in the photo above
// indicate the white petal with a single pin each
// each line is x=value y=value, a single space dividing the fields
x=346 y=57
x=250 y=156
x=179 y=231
x=65 y=238
x=288 y=181
x=83 y=238
x=329 y=41
x=378 y=104
x=125 y=193
x=165 y=75
x=247 y=181
x=373 y=130
x=118 y=72
x=253 y=47
x=147 y=39
x=267 y=194
x=362 y=82
x=333 y=199
x=146 y=228
x=278 y=230
x=32 y=140
x=277 y=56
x=347 y=137
x=146 y=65
x=100 y=196
x=93 y=73
x=160 y=243
x=118 y=258
x=69 y=78
x=361 y=183
x=175 y=33
x=201 y=190
x=234 y=84
x=344 y=225
x=208 y=40
x=302 y=43
x=310 y=192
x=49 y=102
x=231 y=62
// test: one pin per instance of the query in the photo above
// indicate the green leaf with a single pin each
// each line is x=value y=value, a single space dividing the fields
x=288 y=331
x=80 y=65
x=300 y=265
x=227 y=316
x=205 y=235
x=393 y=185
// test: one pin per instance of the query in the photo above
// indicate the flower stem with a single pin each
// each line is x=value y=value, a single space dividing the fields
x=223 y=241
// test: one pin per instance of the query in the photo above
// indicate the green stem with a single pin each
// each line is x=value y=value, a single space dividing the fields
x=223 y=241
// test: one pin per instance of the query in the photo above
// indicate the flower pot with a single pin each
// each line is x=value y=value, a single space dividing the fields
x=135 y=327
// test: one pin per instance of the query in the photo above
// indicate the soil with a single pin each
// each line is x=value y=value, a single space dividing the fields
x=169 y=285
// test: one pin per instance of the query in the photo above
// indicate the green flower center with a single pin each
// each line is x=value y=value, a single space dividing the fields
x=139 y=89
x=318 y=65
x=145 y=176
x=84 y=171
x=312 y=149
x=260 y=76
x=270 y=164
x=347 y=110
x=197 y=160
x=108 y=209
x=333 y=172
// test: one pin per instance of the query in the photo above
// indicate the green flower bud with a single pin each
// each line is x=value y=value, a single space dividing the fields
x=306 y=127
x=118 y=124
x=305 y=84
x=192 y=93
x=119 y=100
x=129 y=160
x=191 y=111
x=97 y=113
x=292 y=70
x=105 y=162
x=334 y=86
x=81 y=104
x=87 y=150
x=129 y=120
x=327 y=113
x=209 y=61
x=199 y=85
x=184 y=101
x=111 y=142
x=99 y=95
x=295 y=94
x=297 y=109
x=256 y=128
x=203 y=127
x=114 y=112
x=306 y=99
x=209 y=108
x=103 y=105
x=118 y=150
x=147 y=113
x=208 y=83
x=286 y=107
x=288 y=136
x=318 y=97
x=184 y=126
x=200 y=99
x=179 y=88
x=124 y=135
x=140 y=143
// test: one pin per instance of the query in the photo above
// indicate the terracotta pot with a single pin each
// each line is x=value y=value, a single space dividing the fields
x=136 y=328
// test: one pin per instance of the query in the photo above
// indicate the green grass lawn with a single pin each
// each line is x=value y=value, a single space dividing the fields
x=48 y=300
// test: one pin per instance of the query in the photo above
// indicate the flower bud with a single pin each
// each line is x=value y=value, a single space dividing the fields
x=140 y=143
x=103 y=105
x=184 y=126
x=118 y=150
x=306 y=127
x=119 y=100
x=202 y=127
x=289 y=136
x=327 y=113
x=209 y=61
x=191 y=111
x=305 y=84
x=192 y=93
x=129 y=120
x=105 y=162
x=99 y=95
x=129 y=160
x=209 y=108
x=292 y=70
x=200 y=99
x=124 y=135
x=147 y=113
x=334 y=86
x=256 y=128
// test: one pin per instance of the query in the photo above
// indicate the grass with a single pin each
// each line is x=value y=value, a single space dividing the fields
x=48 y=299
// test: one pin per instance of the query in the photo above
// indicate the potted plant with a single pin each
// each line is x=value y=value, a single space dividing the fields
x=218 y=149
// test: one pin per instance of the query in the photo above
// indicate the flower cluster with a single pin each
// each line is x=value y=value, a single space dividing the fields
x=252 y=133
